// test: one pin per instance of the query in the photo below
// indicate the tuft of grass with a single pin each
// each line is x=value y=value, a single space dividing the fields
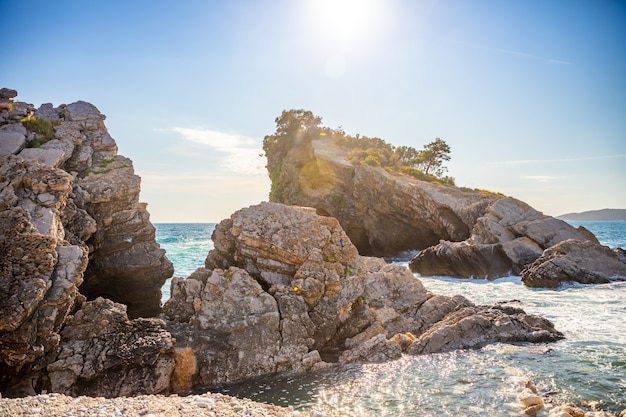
x=42 y=127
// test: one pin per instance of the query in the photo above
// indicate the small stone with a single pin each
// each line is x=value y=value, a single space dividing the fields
x=531 y=401
x=533 y=409
x=204 y=402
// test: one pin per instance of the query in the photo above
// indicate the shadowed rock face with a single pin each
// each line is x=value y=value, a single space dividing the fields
x=459 y=232
x=285 y=287
x=70 y=226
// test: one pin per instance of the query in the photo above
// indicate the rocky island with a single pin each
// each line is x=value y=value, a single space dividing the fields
x=286 y=288
x=386 y=207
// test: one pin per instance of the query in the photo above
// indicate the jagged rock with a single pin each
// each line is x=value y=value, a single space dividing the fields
x=476 y=326
x=40 y=271
x=574 y=261
x=52 y=223
x=284 y=283
x=103 y=354
x=460 y=232
x=507 y=238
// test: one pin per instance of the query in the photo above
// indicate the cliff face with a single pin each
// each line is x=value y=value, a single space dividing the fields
x=71 y=229
x=460 y=232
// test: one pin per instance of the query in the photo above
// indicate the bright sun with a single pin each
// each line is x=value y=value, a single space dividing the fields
x=346 y=21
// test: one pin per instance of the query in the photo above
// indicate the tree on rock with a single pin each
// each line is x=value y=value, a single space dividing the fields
x=293 y=127
x=430 y=160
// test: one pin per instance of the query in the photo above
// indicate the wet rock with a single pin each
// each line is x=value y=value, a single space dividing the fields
x=531 y=402
x=575 y=261
x=473 y=327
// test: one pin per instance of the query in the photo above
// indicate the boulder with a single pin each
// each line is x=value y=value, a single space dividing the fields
x=284 y=287
x=11 y=143
x=575 y=261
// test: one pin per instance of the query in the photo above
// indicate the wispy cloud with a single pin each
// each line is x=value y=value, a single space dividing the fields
x=547 y=161
x=531 y=56
x=241 y=153
x=558 y=62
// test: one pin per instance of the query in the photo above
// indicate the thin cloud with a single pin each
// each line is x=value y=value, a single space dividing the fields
x=558 y=62
x=531 y=56
x=241 y=153
x=515 y=53
x=549 y=161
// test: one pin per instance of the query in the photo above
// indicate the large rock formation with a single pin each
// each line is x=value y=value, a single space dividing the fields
x=285 y=287
x=70 y=226
x=460 y=232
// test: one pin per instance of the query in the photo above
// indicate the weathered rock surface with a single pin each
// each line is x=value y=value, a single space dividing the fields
x=460 y=232
x=70 y=226
x=285 y=287
x=102 y=353
x=574 y=261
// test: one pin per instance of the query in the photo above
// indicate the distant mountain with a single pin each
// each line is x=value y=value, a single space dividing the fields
x=595 y=215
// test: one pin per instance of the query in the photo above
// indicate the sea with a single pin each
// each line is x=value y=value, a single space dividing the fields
x=588 y=365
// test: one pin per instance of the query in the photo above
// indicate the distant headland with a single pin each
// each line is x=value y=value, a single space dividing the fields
x=596 y=215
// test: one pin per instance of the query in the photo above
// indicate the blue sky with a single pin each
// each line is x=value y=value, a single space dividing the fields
x=530 y=95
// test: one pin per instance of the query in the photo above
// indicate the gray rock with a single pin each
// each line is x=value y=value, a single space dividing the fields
x=7 y=93
x=11 y=143
x=50 y=157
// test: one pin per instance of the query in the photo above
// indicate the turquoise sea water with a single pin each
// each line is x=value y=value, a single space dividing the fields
x=589 y=364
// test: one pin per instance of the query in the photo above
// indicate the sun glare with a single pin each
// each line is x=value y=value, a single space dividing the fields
x=346 y=21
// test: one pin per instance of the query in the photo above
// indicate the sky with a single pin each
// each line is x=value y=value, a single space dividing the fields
x=530 y=95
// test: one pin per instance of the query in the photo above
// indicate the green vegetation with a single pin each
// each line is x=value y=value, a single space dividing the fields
x=302 y=126
x=44 y=129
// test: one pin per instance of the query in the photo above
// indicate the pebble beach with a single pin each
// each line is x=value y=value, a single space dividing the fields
x=205 y=405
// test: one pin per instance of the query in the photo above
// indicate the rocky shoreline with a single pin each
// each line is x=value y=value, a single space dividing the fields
x=283 y=288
